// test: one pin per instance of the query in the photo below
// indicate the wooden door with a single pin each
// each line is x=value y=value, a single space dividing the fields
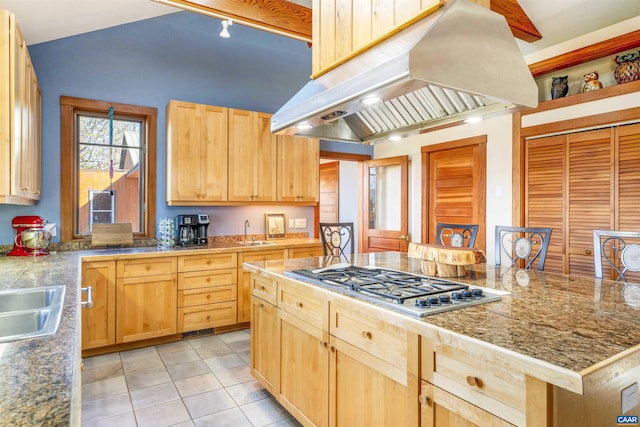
x=99 y=321
x=146 y=307
x=385 y=223
x=329 y=192
x=265 y=344
x=454 y=180
x=298 y=169
x=590 y=194
x=544 y=194
x=304 y=370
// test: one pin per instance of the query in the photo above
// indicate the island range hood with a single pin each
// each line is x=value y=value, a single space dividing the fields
x=459 y=62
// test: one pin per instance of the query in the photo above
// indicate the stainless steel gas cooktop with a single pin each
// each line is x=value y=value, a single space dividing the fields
x=405 y=292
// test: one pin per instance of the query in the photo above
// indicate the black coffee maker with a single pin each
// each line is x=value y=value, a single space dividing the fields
x=192 y=229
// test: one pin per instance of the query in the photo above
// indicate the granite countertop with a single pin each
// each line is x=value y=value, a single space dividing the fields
x=39 y=377
x=563 y=324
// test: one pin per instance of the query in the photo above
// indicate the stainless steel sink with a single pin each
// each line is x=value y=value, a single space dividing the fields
x=257 y=243
x=29 y=313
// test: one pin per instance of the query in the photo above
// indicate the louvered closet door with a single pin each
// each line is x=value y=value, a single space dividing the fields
x=629 y=183
x=591 y=190
x=545 y=172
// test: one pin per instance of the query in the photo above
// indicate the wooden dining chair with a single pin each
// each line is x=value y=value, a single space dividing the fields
x=337 y=238
x=528 y=244
x=456 y=235
x=617 y=250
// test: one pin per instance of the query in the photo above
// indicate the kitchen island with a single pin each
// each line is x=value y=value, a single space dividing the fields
x=40 y=377
x=556 y=350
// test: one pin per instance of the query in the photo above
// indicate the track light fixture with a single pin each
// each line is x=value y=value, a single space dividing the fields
x=225 y=28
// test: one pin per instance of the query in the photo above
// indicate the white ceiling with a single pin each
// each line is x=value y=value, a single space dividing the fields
x=45 y=20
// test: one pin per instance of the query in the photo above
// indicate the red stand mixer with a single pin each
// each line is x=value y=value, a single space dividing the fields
x=31 y=236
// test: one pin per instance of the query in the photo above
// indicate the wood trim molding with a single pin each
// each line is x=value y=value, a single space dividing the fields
x=518 y=20
x=587 y=53
x=276 y=16
x=517 y=168
x=335 y=155
x=475 y=140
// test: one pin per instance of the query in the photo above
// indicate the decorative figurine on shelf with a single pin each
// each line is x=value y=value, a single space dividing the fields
x=559 y=87
x=591 y=82
x=628 y=68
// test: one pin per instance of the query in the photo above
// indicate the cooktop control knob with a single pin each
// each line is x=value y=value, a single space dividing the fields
x=467 y=294
x=433 y=300
x=457 y=296
x=421 y=302
x=477 y=293
x=445 y=299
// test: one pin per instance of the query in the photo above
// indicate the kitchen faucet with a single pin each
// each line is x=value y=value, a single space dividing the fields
x=246 y=225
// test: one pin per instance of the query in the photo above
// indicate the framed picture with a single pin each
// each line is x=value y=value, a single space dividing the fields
x=274 y=225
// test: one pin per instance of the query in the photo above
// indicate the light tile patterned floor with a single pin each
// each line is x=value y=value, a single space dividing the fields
x=196 y=382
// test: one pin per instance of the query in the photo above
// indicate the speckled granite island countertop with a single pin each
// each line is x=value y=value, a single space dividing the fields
x=40 y=377
x=560 y=327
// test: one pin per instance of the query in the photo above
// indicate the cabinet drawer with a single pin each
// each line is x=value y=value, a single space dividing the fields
x=206 y=316
x=306 y=252
x=206 y=262
x=146 y=266
x=205 y=279
x=263 y=288
x=269 y=255
x=202 y=296
x=305 y=302
x=370 y=332
x=478 y=378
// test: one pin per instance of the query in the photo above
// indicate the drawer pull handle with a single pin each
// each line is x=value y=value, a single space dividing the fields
x=474 y=381
x=366 y=335
x=424 y=400
x=89 y=302
x=299 y=304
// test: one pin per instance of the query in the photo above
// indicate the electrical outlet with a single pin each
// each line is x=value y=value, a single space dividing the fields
x=301 y=222
x=629 y=398
x=292 y=223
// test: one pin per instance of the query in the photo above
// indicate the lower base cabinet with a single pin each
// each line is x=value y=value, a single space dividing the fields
x=99 y=321
x=265 y=339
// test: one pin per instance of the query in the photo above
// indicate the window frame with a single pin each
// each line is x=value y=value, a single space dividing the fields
x=69 y=106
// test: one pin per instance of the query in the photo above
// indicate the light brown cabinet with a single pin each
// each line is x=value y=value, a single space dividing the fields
x=298 y=169
x=99 y=321
x=245 y=281
x=343 y=28
x=20 y=126
x=265 y=343
x=146 y=298
x=252 y=157
x=197 y=146
x=207 y=291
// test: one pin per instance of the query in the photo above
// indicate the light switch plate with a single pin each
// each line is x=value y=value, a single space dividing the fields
x=301 y=223
x=291 y=223
x=629 y=398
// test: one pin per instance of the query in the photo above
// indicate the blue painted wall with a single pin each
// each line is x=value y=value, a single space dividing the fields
x=177 y=56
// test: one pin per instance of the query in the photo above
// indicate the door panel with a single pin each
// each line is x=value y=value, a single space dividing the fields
x=385 y=195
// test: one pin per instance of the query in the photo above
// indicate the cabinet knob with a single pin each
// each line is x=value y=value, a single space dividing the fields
x=424 y=400
x=474 y=381
x=299 y=304
x=366 y=335
x=324 y=344
x=588 y=252
x=262 y=288
x=261 y=305
x=332 y=349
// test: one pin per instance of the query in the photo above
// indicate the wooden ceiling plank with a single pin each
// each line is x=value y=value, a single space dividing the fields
x=518 y=20
x=277 y=16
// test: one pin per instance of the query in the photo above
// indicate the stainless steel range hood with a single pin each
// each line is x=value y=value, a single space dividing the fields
x=460 y=61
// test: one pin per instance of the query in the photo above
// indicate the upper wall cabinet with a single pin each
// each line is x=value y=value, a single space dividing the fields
x=197 y=146
x=222 y=156
x=20 y=118
x=298 y=169
x=344 y=28
x=252 y=157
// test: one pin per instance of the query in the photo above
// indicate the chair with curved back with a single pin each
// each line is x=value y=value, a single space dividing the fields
x=529 y=244
x=457 y=235
x=623 y=256
x=337 y=238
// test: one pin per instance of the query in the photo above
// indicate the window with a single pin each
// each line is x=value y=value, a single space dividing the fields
x=107 y=167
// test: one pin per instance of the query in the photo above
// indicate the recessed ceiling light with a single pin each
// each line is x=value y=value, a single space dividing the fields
x=370 y=100
x=473 y=119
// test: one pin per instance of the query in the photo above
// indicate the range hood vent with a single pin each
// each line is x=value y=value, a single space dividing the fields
x=458 y=62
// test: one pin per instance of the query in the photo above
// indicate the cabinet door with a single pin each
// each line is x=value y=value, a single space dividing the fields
x=304 y=370
x=245 y=279
x=20 y=147
x=298 y=169
x=146 y=307
x=252 y=157
x=356 y=383
x=265 y=349
x=197 y=138
x=99 y=321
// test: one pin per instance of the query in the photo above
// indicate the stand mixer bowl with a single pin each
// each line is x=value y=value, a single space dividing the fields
x=35 y=240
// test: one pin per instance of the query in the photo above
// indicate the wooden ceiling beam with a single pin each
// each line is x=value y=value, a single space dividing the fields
x=276 y=16
x=518 y=20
